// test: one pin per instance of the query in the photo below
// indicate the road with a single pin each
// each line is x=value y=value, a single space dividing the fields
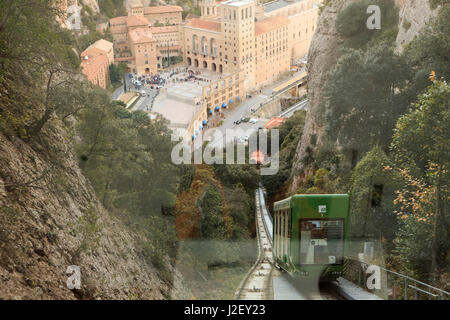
x=144 y=103
x=243 y=110
x=302 y=105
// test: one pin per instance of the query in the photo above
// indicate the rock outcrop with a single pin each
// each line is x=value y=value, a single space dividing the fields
x=326 y=48
x=43 y=197
x=414 y=14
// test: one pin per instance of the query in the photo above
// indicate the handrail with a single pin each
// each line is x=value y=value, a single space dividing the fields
x=407 y=280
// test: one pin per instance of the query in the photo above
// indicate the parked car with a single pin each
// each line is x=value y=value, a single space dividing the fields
x=253 y=121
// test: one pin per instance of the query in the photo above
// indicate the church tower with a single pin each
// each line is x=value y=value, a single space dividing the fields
x=208 y=8
x=238 y=28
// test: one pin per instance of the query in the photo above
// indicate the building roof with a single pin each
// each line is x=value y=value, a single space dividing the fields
x=102 y=44
x=118 y=29
x=237 y=3
x=137 y=21
x=275 y=5
x=91 y=64
x=162 y=9
x=92 y=51
x=257 y=156
x=191 y=16
x=167 y=29
x=204 y=24
x=270 y=24
x=274 y=122
x=118 y=21
x=124 y=59
x=141 y=35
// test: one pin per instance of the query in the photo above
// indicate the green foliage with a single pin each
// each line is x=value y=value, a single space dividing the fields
x=421 y=145
x=36 y=56
x=435 y=3
x=230 y=175
x=372 y=197
x=84 y=41
x=112 y=8
x=90 y=230
x=423 y=134
x=187 y=175
x=290 y=132
x=362 y=102
x=429 y=51
x=213 y=222
x=162 y=240
x=239 y=205
x=121 y=152
x=351 y=23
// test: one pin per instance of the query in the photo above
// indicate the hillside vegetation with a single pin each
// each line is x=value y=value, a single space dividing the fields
x=384 y=138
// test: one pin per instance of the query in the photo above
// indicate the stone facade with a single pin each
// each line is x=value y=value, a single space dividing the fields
x=226 y=37
x=258 y=42
x=95 y=61
x=165 y=15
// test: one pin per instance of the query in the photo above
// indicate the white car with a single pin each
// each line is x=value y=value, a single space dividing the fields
x=253 y=121
x=143 y=93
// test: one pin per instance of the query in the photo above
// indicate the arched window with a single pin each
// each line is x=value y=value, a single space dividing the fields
x=205 y=65
x=194 y=43
x=212 y=45
x=213 y=67
x=196 y=63
x=189 y=61
x=204 y=45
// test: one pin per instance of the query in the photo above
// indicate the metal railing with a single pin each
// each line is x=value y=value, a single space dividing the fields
x=394 y=286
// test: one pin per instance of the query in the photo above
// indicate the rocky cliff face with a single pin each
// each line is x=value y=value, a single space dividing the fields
x=414 y=14
x=325 y=50
x=44 y=198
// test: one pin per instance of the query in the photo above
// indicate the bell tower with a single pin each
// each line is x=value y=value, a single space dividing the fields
x=208 y=8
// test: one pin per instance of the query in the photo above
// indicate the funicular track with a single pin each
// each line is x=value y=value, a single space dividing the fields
x=258 y=282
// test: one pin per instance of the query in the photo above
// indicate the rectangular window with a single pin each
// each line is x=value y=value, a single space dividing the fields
x=321 y=241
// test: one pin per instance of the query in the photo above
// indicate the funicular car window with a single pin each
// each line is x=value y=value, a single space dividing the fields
x=321 y=241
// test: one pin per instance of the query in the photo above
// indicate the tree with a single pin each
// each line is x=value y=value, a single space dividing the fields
x=36 y=59
x=372 y=192
x=213 y=223
x=363 y=98
x=114 y=73
x=421 y=145
x=430 y=50
x=351 y=23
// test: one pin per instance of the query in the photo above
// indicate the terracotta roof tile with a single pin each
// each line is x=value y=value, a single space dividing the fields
x=270 y=24
x=167 y=29
x=141 y=35
x=93 y=63
x=118 y=21
x=204 y=24
x=162 y=9
x=274 y=122
x=137 y=21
